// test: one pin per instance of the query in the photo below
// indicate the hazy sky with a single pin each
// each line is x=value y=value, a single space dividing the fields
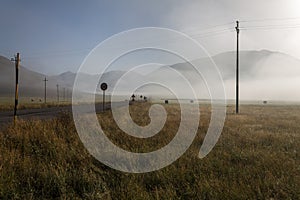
x=55 y=36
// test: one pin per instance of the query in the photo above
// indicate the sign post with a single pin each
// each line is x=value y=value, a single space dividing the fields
x=103 y=88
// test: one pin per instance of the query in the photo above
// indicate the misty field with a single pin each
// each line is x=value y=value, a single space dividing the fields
x=256 y=157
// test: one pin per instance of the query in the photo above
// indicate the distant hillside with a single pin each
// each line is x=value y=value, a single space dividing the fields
x=30 y=82
x=258 y=65
x=263 y=75
x=253 y=65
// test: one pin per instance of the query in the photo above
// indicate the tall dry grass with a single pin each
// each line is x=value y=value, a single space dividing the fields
x=256 y=157
x=45 y=159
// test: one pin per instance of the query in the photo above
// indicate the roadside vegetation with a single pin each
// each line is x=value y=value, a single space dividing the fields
x=256 y=157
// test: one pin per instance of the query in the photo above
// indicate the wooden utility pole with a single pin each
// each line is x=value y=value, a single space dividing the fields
x=57 y=92
x=45 y=98
x=67 y=94
x=17 y=63
x=64 y=94
x=237 y=67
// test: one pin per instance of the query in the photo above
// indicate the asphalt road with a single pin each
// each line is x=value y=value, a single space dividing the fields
x=6 y=117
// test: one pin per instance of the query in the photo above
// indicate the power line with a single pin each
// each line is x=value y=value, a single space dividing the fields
x=203 y=32
x=208 y=28
x=271 y=19
x=226 y=24
x=198 y=33
x=270 y=27
x=210 y=34
x=294 y=23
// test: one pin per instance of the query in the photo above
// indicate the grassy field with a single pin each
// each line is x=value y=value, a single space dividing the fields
x=7 y=103
x=256 y=157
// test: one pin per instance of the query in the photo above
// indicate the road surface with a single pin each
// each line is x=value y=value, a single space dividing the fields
x=6 y=117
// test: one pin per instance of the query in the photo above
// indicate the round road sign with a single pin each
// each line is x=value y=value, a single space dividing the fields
x=103 y=86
